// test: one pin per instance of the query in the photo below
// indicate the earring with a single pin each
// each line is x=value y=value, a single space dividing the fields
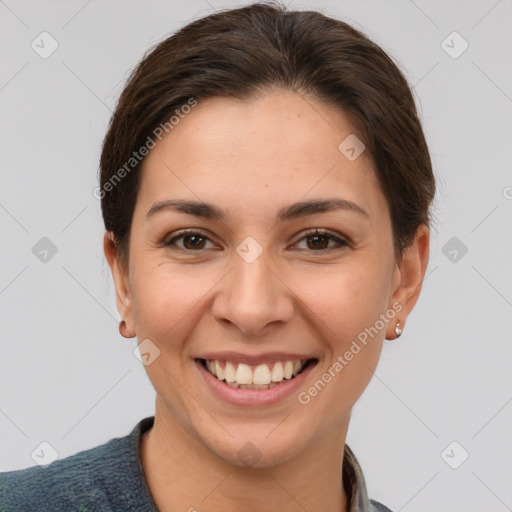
x=398 y=331
x=122 y=327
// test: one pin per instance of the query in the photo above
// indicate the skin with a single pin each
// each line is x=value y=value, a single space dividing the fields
x=250 y=159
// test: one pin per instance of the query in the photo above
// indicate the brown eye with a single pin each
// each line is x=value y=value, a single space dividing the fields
x=318 y=240
x=192 y=241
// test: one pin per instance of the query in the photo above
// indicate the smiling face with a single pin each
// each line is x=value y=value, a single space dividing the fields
x=248 y=284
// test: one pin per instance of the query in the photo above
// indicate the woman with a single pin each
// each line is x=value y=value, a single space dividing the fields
x=266 y=191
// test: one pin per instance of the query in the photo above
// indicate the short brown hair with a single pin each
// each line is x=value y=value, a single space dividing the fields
x=239 y=52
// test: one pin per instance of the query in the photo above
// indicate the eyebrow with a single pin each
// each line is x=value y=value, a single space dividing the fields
x=287 y=213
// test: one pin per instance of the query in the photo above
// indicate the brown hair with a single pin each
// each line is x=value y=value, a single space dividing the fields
x=241 y=52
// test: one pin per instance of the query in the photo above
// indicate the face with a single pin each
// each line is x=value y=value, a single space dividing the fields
x=252 y=285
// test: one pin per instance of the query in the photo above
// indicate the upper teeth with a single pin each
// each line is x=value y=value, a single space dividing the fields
x=263 y=374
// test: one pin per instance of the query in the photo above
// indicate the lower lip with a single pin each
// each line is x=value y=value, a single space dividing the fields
x=254 y=396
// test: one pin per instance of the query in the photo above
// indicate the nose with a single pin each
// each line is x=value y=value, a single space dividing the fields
x=253 y=297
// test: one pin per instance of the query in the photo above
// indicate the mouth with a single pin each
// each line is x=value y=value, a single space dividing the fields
x=262 y=376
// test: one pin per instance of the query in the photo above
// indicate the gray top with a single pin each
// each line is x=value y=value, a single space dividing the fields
x=110 y=478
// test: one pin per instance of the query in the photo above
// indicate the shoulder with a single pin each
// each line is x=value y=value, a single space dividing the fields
x=73 y=483
x=379 y=507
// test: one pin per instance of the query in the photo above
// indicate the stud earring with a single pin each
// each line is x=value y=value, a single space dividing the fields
x=398 y=331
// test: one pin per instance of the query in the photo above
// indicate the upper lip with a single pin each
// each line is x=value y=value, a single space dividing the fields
x=268 y=357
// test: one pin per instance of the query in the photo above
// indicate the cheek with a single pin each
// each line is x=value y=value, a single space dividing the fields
x=162 y=299
x=168 y=302
x=347 y=305
x=345 y=298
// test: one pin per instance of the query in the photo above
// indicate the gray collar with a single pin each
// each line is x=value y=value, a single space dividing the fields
x=355 y=486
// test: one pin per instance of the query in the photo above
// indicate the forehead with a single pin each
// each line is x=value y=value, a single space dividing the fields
x=280 y=146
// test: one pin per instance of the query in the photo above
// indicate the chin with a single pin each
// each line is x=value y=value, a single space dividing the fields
x=252 y=447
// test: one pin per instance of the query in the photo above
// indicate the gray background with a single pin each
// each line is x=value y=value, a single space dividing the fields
x=66 y=375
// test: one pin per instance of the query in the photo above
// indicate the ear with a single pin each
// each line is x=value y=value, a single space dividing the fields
x=121 y=282
x=408 y=277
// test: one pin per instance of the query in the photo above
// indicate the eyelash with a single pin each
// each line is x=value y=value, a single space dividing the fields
x=309 y=234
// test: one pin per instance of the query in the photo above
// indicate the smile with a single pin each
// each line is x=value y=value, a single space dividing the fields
x=262 y=376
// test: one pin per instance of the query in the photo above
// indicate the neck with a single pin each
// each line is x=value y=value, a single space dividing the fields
x=183 y=474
